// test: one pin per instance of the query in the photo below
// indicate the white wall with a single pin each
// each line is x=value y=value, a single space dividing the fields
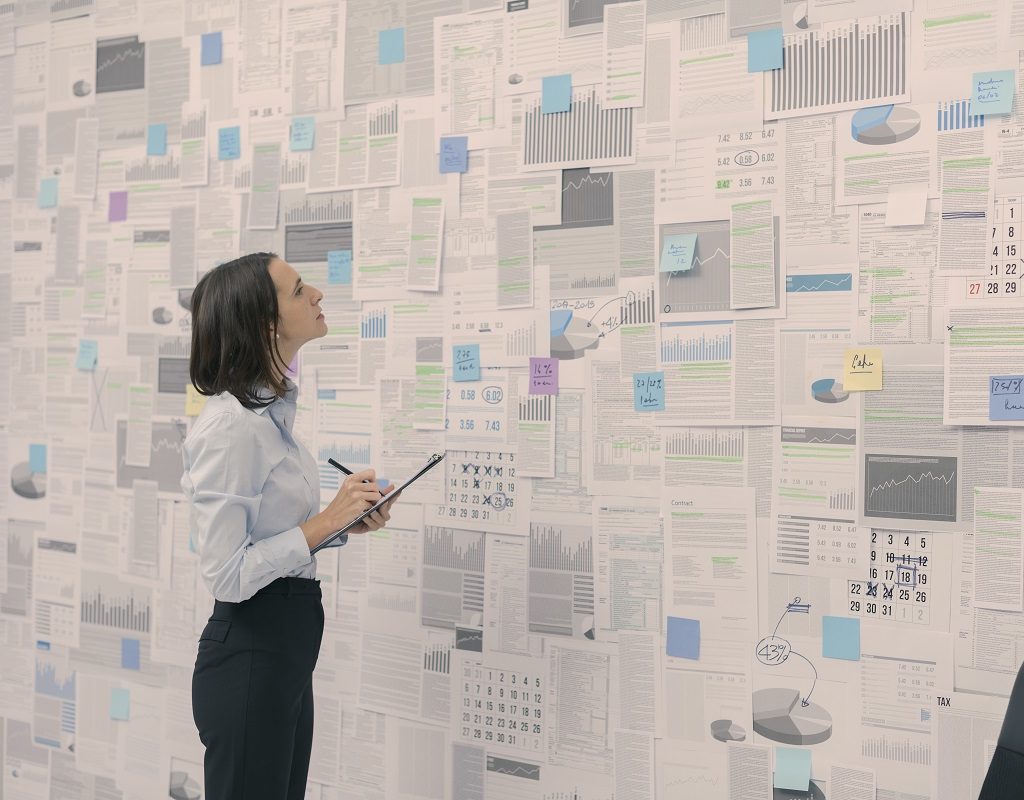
x=670 y=589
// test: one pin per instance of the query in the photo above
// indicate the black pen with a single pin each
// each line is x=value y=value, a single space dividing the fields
x=346 y=470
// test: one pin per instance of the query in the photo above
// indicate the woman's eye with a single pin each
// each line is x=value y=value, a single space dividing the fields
x=299 y=290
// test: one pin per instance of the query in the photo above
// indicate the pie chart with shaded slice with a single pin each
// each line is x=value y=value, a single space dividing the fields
x=779 y=715
x=884 y=124
x=828 y=390
x=571 y=336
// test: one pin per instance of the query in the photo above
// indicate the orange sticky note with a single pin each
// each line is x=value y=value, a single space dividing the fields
x=862 y=369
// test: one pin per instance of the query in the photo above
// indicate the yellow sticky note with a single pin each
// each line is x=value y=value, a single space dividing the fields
x=862 y=369
x=194 y=401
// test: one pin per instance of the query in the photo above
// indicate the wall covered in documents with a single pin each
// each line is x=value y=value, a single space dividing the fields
x=714 y=307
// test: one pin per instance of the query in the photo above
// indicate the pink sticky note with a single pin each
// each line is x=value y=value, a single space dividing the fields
x=118 y=208
x=543 y=375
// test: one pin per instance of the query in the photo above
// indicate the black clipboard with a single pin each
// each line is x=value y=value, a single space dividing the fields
x=435 y=459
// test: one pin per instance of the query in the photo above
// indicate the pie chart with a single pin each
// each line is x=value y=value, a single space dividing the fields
x=780 y=715
x=26 y=483
x=884 y=124
x=571 y=337
x=828 y=390
x=725 y=730
x=814 y=792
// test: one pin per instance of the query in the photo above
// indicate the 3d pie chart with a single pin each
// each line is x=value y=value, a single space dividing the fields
x=571 y=336
x=884 y=124
x=780 y=715
x=828 y=390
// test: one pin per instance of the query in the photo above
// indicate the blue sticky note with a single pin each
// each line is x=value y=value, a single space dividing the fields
x=391 y=46
x=37 y=458
x=119 y=700
x=88 y=349
x=229 y=143
x=303 y=129
x=1006 y=397
x=339 y=267
x=156 y=139
x=130 y=654
x=454 y=155
x=764 y=50
x=792 y=768
x=682 y=638
x=556 y=93
x=677 y=252
x=211 y=49
x=466 y=362
x=47 y=193
x=992 y=92
x=649 y=391
x=840 y=638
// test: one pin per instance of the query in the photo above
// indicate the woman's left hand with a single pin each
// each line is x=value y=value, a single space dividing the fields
x=379 y=518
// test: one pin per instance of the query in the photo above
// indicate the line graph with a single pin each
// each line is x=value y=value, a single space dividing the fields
x=910 y=487
x=839 y=282
x=515 y=769
x=586 y=198
x=120 y=64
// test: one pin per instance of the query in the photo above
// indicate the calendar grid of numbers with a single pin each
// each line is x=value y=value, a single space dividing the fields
x=1004 y=261
x=502 y=706
x=481 y=489
x=897 y=585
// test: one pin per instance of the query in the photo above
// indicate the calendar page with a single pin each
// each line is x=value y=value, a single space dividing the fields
x=483 y=492
x=1005 y=258
x=499 y=702
x=899 y=578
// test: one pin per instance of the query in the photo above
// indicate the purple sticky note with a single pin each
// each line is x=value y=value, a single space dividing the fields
x=118 y=207
x=543 y=375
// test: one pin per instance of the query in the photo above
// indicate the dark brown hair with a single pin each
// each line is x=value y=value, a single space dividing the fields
x=234 y=306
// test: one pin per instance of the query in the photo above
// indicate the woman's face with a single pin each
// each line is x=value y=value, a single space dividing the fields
x=298 y=304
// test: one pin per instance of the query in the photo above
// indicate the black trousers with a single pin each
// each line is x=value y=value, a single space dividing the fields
x=252 y=691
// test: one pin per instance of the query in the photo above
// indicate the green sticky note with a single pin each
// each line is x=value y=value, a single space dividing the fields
x=677 y=252
x=992 y=92
x=792 y=769
x=119 y=699
x=88 y=350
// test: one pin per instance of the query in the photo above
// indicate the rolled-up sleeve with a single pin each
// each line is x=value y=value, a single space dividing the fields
x=223 y=477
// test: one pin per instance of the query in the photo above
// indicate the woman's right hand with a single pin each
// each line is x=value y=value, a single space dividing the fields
x=353 y=498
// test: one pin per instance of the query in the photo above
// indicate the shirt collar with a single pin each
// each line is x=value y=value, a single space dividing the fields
x=289 y=396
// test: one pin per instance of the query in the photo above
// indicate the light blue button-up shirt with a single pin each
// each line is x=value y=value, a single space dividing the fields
x=250 y=485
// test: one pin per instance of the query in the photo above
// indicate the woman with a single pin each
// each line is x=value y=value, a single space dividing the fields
x=254 y=490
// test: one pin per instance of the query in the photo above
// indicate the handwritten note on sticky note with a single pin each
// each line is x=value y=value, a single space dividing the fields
x=303 y=130
x=862 y=369
x=88 y=351
x=792 y=768
x=764 y=50
x=466 y=362
x=229 y=143
x=677 y=252
x=117 y=207
x=992 y=92
x=556 y=93
x=454 y=154
x=339 y=267
x=649 y=391
x=119 y=701
x=48 y=193
x=211 y=49
x=682 y=638
x=543 y=375
x=1006 y=397
x=156 y=139
x=37 y=458
x=840 y=638
x=391 y=46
